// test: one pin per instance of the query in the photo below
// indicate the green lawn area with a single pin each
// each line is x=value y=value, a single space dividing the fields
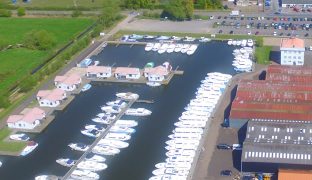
x=17 y=63
x=263 y=54
x=9 y=146
x=59 y=4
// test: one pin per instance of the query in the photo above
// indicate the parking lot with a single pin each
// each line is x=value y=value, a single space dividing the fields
x=261 y=25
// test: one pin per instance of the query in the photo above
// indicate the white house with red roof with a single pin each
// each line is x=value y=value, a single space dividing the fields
x=27 y=120
x=158 y=73
x=99 y=72
x=67 y=83
x=127 y=73
x=51 y=98
x=292 y=51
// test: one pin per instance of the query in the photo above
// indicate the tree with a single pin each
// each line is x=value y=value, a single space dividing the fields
x=179 y=9
x=21 y=11
x=4 y=101
x=110 y=12
x=136 y=4
x=76 y=13
x=41 y=40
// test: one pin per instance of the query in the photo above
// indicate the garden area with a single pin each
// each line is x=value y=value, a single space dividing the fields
x=18 y=62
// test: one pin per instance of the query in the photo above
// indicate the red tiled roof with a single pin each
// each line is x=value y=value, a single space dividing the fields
x=69 y=80
x=52 y=95
x=159 y=70
x=30 y=116
x=292 y=43
x=127 y=70
x=99 y=69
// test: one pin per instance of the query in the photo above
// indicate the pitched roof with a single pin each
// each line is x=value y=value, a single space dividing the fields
x=69 y=80
x=159 y=70
x=127 y=70
x=292 y=43
x=52 y=95
x=99 y=69
x=30 y=116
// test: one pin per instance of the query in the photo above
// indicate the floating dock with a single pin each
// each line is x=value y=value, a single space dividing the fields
x=102 y=135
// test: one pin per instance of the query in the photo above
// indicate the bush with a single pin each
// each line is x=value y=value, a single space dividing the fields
x=41 y=40
x=225 y=7
x=21 y=11
x=4 y=101
x=28 y=84
x=5 y=13
x=76 y=13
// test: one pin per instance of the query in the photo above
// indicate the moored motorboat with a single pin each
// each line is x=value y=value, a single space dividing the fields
x=90 y=133
x=118 y=102
x=149 y=47
x=111 y=109
x=31 y=146
x=105 y=150
x=126 y=123
x=121 y=129
x=94 y=157
x=79 y=146
x=94 y=127
x=138 y=112
x=66 y=162
x=19 y=137
x=118 y=136
x=91 y=165
x=84 y=175
x=178 y=47
x=113 y=143
x=46 y=177
x=86 y=87
x=153 y=84
x=127 y=96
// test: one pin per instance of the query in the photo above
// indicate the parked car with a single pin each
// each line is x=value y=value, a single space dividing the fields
x=257 y=33
x=219 y=17
x=231 y=32
x=223 y=146
x=306 y=35
x=226 y=173
x=220 y=31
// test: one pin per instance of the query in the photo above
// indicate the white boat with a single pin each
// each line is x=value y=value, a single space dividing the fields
x=127 y=96
x=149 y=37
x=163 y=48
x=170 y=171
x=136 y=36
x=198 y=124
x=181 y=152
x=118 y=102
x=185 y=136
x=185 y=48
x=105 y=150
x=106 y=115
x=180 y=159
x=181 y=146
x=178 y=165
x=94 y=157
x=176 y=38
x=238 y=42
x=250 y=42
x=86 y=87
x=153 y=84
x=188 y=130
x=178 y=47
x=138 y=112
x=46 y=177
x=111 y=109
x=113 y=143
x=79 y=146
x=163 y=38
x=66 y=162
x=156 y=47
x=149 y=46
x=118 y=136
x=91 y=133
x=121 y=129
x=244 y=43
x=197 y=113
x=84 y=175
x=102 y=121
x=230 y=42
x=194 y=142
x=170 y=48
x=31 y=145
x=167 y=176
x=204 y=39
x=126 y=123
x=192 y=49
x=189 y=39
x=19 y=137
x=91 y=166
x=94 y=127
x=160 y=165
x=234 y=42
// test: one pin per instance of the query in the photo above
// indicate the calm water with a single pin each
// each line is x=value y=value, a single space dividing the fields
x=147 y=145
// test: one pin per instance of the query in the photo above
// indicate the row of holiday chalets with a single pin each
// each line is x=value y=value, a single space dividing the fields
x=30 y=119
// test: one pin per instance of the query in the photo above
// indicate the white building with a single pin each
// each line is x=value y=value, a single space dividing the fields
x=296 y=3
x=51 y=98
x=27 y=120
x=127 y=73
x=292 y=51
x=99 y=72
x=67 y=83
x=158 y=73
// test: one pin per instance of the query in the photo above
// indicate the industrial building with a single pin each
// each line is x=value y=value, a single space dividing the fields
x=274 y=144
x=286 y=94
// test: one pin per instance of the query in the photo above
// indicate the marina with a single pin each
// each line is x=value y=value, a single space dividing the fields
x=151 y=133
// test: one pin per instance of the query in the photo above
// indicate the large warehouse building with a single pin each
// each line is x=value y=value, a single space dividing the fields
x=286 y=94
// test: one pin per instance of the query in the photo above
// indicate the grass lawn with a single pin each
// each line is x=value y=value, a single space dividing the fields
x=263 y=54
x=59 y=4
x=9 y=146
x=16 y=63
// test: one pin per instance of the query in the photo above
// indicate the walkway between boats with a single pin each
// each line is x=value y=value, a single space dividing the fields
x=102 y=135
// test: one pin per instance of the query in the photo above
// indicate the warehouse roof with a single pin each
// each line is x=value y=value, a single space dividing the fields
x=271 y=141
x=295 y=70
x=285 y=174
